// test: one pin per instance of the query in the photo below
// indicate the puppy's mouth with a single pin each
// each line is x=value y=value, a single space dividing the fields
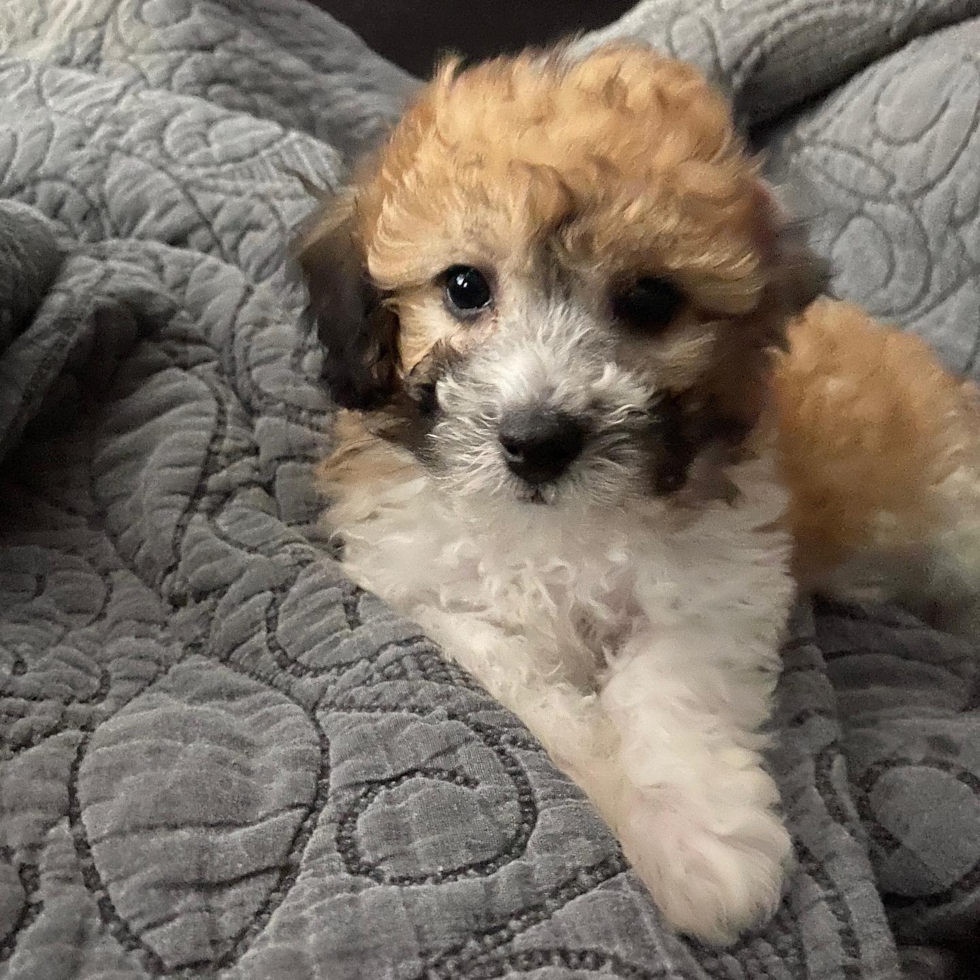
x=535 y=496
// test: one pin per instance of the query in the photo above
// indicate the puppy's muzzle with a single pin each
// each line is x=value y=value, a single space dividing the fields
x=539 y=445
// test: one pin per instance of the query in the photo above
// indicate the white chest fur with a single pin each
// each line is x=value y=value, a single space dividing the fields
x=577 y=586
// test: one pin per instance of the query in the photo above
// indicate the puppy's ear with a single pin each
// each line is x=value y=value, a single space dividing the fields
x=357 y=330
x=799 y=275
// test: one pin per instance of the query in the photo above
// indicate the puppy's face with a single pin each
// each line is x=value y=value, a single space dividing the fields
x=559 y=281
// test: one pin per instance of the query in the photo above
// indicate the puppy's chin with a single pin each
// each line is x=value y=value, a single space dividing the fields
x=592 y=489
x=544 y=496
x=589 y=487
x=551 y=496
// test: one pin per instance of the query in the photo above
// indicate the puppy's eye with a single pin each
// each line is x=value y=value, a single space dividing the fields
x=649 y=303
x=467 y=290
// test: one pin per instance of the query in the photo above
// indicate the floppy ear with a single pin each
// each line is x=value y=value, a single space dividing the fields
x=357 y=330
x=799 y=275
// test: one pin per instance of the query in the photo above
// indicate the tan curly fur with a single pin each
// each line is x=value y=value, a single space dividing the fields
x=623 y=163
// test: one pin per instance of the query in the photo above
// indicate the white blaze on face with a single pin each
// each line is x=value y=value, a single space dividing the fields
x=549 y=357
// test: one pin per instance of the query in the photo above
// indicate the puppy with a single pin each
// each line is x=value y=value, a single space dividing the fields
x=600 y=427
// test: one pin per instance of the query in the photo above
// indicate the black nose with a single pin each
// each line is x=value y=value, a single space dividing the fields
x=539 y=445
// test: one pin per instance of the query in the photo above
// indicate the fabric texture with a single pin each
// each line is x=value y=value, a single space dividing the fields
x=218 y=758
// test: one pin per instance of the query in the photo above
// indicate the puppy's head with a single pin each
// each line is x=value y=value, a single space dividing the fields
x=560 y=280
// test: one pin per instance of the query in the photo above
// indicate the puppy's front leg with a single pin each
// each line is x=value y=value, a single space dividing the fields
x=699 y=819
x=568 y=721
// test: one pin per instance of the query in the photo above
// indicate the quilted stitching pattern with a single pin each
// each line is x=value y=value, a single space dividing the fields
x=772 y=55
x=206 y=49
x=898 y=208
x=220 y=758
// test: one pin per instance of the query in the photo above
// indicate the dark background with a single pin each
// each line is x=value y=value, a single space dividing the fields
x=413 y=33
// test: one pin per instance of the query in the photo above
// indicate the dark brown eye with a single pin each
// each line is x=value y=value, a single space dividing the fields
x=467 y=290
x=647 y=304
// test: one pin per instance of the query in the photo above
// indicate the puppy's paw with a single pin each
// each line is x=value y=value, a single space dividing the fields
x=713 y=875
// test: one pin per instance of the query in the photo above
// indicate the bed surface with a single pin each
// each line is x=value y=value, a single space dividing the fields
x=218 y=758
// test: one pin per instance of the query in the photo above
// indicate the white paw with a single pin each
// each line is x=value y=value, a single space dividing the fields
x=713 y=873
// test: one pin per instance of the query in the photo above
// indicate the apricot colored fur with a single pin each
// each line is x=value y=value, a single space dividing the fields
x=870 y=429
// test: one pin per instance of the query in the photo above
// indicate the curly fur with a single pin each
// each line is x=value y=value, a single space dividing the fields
x=630 y=611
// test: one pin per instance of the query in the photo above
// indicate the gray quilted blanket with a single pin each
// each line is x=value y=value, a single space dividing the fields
x=220 y=759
